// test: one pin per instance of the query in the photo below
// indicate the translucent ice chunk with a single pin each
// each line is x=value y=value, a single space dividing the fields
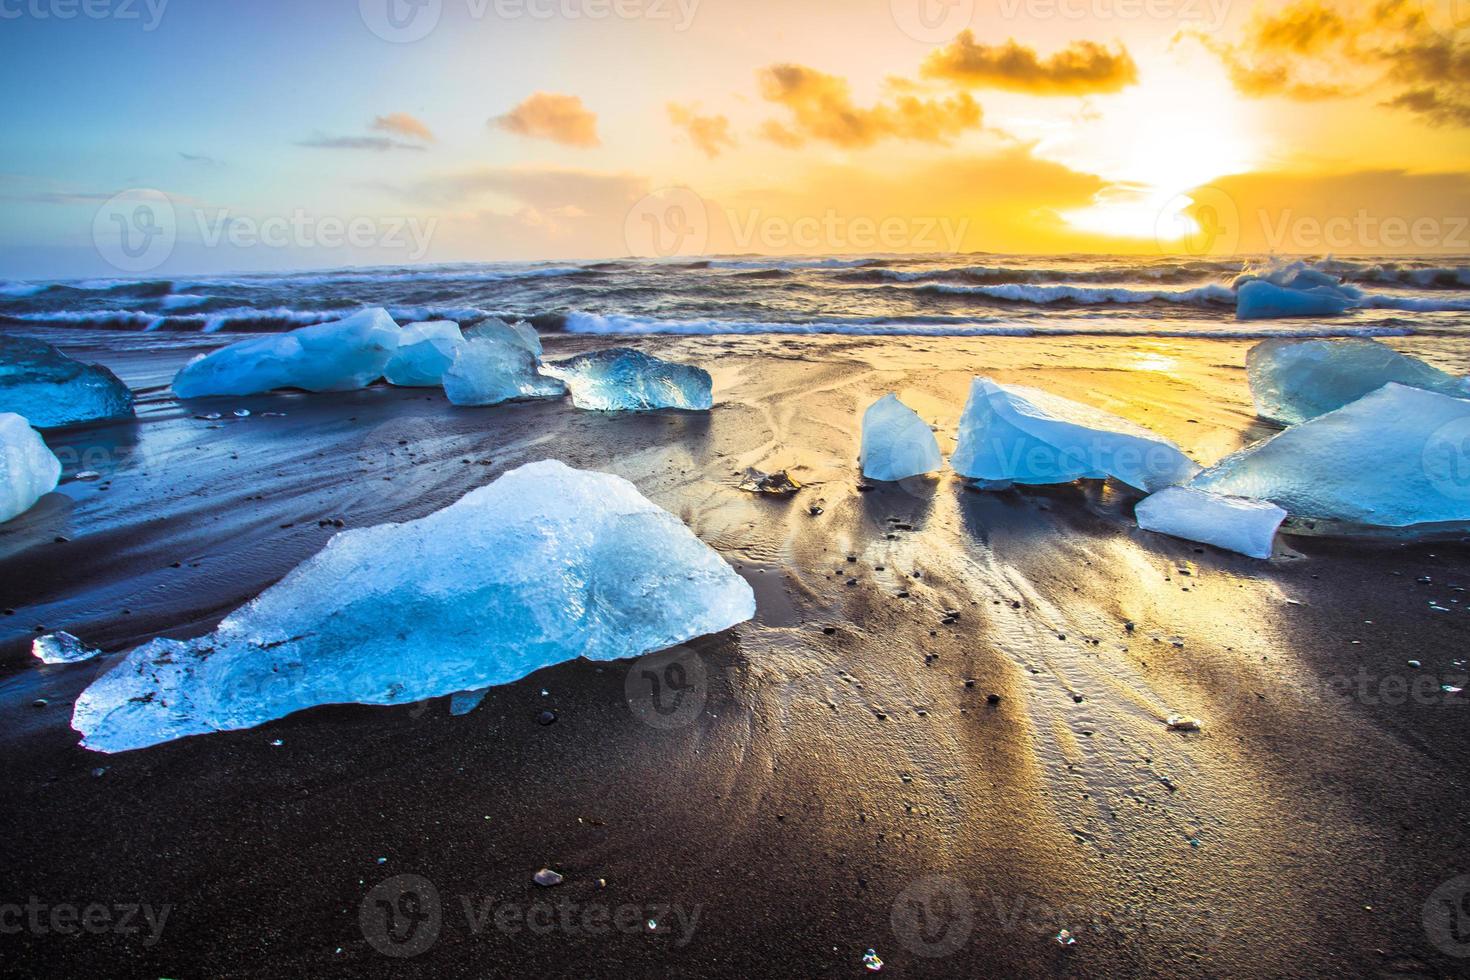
x=61 y=648
x=337 y=356
x=1232 y=523
x=1259 y=300
x=623 y=379
x=544 y=565
x=50 y=389
x=425 y=351
x=1393 y=458
x=1023 y=435
x=463 y=702
x=489 y=371
x=897 y=443
x=28 y=468
x=1296 y=380
x=520 y=333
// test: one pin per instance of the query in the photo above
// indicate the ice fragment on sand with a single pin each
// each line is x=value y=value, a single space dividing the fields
x=1296 y=380
x=490 y=371
x=544 y=565
x=547 y=878
x=1393 y=458
x=779 y=482
x=50 y=389
x=1183 y=723
x=28 y=468
x=520 y=333
x=1010 y=433
x=425 y=351
x=463 y=702
x=1232 y=523
x=61 y=648
x=337 y=356
x=897 y=444
x=623 y=379
x=1260 y=300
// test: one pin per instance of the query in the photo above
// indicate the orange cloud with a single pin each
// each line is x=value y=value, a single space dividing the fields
x=547 y=115
x=1081 y=68
x=821 y=108
x=711 y=134
x=403 y=124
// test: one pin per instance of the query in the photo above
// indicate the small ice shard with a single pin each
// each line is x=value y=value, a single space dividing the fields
x=1023 y=435
x=544 y=565
x=463 y=702
x=50 y=389
x=779 y=482
x=520 y=333
x=488 y=372
x=1065 y=938
x=1261 y=300
x=1296 y=380
x=547 y=878
x=337 y=356
x=872 y=961
x=28 y=468
x=623 y=379
x=425 y=351
x=897 y=444
x=61 y=648
x=1183 y=723
x=1393 y=458
x=1233 y=523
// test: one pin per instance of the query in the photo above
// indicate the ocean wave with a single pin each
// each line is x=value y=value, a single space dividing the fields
x=1214 y=294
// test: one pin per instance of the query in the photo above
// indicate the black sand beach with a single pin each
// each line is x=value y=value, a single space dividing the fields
x=827 y=778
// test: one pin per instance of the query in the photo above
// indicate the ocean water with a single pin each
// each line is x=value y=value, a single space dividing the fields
x=972 y=294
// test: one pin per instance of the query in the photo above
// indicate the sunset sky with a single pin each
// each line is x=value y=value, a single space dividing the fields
x=537 y=129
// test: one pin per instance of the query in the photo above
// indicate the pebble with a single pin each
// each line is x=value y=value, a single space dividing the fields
x=992 y=699
x=547 y=878
x=39 y=703
x=546 y=718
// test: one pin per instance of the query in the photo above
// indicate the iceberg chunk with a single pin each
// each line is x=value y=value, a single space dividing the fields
x=623 y=379
x=897 y=444
x=28 y=468
x=490 y=371
x=1260 y=300
x=1023 y=435
x=544 y=565
x=337 y=356
x=61 y=648
x=1232 y=523
x=1393 y=458
x=425 y=351
x=1296 y=380
x=50 y=389
x=520 y=333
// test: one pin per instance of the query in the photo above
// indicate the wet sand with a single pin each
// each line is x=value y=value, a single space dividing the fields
x=826 y=778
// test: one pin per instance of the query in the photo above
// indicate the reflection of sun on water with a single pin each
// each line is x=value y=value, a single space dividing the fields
x=1153 y=362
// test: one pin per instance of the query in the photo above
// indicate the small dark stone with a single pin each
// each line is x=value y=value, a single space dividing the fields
x=61 y=539
x=829 y=630
x=39 y=703
x=992 y=699
x=1130 y=626
x=814 y=510
x=970 y=682
x=546 y=718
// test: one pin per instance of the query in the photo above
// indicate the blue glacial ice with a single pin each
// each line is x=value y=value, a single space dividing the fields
x=897 y=444
x=1397 y=457
x=61 y=648
x=1296 y=380
x=1011 y=434
x=50 y=389
x=1288 y=289
x=623 y=379
x=29 y=468
x=491 y=370
x=544 y=565
x=425 y=351
x=1233 y=523
x=337 y=356
x=520 y=333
